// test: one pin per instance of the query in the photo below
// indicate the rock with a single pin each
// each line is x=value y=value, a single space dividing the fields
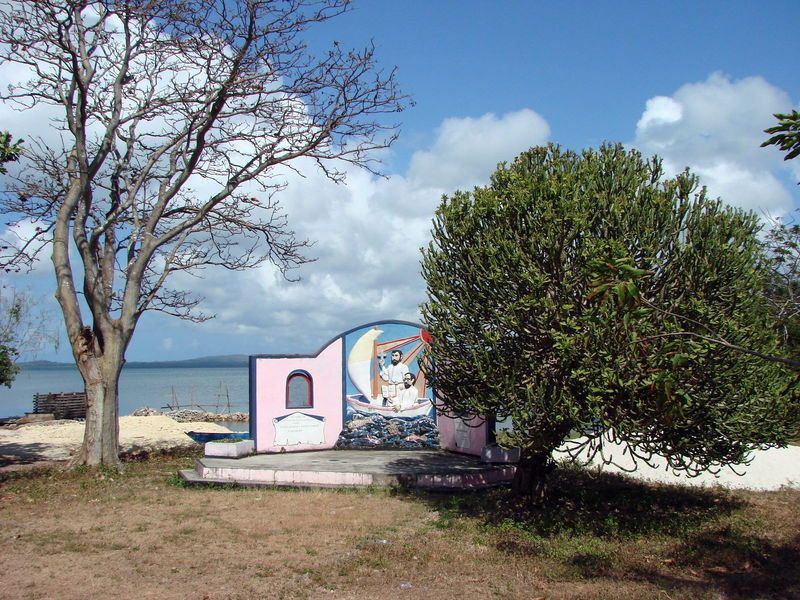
x=376 y=431
x=186 y=415
x=234 y=417
x=146 y=411
x=356 y=423
x=138 y=454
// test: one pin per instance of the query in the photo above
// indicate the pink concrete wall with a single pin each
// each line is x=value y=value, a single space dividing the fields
x=469 y=438
x=270 y=396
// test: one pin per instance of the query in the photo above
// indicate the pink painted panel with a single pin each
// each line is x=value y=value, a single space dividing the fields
x=295 y=426
x=462 y=435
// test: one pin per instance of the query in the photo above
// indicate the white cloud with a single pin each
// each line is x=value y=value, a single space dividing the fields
x=716 y=128
x=660 y=110
x=26 y=123
x=467 y=150
x=758 y=190
x=368 y=234
x=16 y=237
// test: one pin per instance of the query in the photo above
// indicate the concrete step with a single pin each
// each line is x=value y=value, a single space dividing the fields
x=261 y=472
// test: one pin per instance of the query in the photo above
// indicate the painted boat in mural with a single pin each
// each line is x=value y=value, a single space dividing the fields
x=362 y=367
x=360 y=361
x=201 y=437
x=358 y=403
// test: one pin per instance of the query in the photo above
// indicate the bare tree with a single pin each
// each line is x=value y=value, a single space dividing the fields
x=171 y=109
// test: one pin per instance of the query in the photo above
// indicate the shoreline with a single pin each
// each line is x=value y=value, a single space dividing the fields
x=181 y=415
x=29 y=444
x=59 y=440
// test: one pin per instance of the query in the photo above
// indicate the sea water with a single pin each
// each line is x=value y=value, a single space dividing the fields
x=153 y=387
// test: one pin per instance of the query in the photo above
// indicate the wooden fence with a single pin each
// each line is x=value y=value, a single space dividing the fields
x=70 y=405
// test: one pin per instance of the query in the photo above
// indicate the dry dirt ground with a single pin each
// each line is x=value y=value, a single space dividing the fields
x=142 y=535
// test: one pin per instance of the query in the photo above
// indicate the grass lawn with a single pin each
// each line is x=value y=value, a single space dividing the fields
x=97 y=534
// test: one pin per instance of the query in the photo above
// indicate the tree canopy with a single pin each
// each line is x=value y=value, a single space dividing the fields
x=9 y=150
x=176 y=118
x=25 y=328
x=786 y=134
x=582 y=294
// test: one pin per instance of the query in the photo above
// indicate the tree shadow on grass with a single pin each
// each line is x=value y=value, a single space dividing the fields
x=584 y=502
x=686 y=540
x=744 y=566
x=741 y=567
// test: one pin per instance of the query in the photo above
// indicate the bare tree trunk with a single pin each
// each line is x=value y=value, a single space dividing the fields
x=530 y=478
x=101 y=434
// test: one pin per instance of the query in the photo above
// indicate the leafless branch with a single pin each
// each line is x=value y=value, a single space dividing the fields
x=169 y=108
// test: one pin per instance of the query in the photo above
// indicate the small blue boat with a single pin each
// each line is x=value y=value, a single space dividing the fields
x=202 y=437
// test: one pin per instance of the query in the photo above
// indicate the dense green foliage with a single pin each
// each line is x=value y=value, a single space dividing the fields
x=786 y=134
x=9 y=152
x=581 y=293
x=8 y=366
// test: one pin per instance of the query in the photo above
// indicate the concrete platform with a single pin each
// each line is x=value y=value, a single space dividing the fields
x=426 y=469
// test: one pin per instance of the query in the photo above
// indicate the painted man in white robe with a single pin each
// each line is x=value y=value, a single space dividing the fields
x=393 y=375
x=407 y=395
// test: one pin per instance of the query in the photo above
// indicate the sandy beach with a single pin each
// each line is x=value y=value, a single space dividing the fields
x=58 y=440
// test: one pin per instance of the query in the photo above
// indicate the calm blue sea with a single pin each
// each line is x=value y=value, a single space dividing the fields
x=138 y=387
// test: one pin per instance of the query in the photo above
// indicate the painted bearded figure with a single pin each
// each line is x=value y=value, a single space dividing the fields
x=393 y=376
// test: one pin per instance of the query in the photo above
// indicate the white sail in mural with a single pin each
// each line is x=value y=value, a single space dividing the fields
x=359 y=362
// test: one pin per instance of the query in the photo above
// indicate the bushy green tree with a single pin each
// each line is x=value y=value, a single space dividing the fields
x=587 y=294
x=26 y=327
x=9 y=150
x=786 y=134
x=8 y=365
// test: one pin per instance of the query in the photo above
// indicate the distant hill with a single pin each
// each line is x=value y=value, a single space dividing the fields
x=204 y=362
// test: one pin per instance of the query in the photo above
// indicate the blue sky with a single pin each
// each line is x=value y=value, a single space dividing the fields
x=695 y=82
x=587 y=67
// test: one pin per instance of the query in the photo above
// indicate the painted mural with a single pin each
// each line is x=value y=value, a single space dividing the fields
x=387 y=401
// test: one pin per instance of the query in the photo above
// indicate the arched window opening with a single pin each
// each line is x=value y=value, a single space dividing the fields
x=299 y=390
